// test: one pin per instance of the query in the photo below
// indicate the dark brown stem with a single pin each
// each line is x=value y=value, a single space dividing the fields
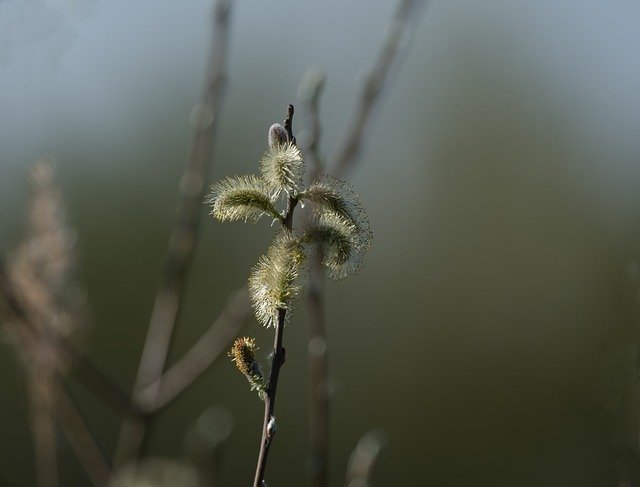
x=288 y=124
x=278 y=354
x=168 y=300
x=268 y=423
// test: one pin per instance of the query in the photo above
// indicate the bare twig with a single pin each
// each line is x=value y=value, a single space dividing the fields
x=278 y=354
x=81 y=440
x=199 y=358
x=310 y=90
x=363 y=459
x=396 y=39
x=183 y=238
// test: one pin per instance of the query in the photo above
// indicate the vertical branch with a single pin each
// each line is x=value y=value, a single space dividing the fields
x=278 y=356
x=396 y=39
x=268 y=423
x=183 y=238
x=310 y=90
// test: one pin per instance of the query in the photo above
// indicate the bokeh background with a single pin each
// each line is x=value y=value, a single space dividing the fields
x=492 y=334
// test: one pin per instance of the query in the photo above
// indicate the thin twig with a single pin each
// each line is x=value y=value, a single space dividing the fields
x=396 y=39
x=398 y=33
x=199 y=358
x=310 y=90
x=183 y=238
x=81 y=440
x=278 y=354
x=363 y=459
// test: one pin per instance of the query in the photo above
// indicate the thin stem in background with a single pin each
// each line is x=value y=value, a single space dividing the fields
x=278 y=354
x=310 y=90
x=183 y=237
x=396 y=40
x=363 y=460
x=398 y=34
x=199 y=358
x=87 y=373
x=81 y=440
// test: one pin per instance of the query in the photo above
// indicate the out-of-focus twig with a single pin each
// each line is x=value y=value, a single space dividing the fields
x=81 y=440
x=363 y=459
x=88 y=374
x=183 y=238
x=309 y=93
x=45 y=310
x=396 y=40
x=199 y=357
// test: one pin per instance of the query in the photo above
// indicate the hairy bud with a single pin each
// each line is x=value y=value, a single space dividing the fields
x=243 y=353
x=273 y=281
x=277 y=135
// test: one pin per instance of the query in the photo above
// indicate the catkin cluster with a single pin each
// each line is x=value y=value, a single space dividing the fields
x=338 y=225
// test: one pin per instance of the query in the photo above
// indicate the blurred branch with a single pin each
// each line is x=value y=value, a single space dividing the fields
x=310 y=90
x=395 y=42
x=363 y=459
x=45 y=307
x=89 y=374
x=81 y=440
x=183 y=238
x=398 y=34
x=199 y=358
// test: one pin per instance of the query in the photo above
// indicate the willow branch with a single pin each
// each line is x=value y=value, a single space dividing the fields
x=199 y=358
x=169 y=297
x=278 y=355
x=396 y=40
x=310 y=90
x=81 y=440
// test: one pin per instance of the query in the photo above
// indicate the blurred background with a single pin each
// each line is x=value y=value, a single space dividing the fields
x=492 y=334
